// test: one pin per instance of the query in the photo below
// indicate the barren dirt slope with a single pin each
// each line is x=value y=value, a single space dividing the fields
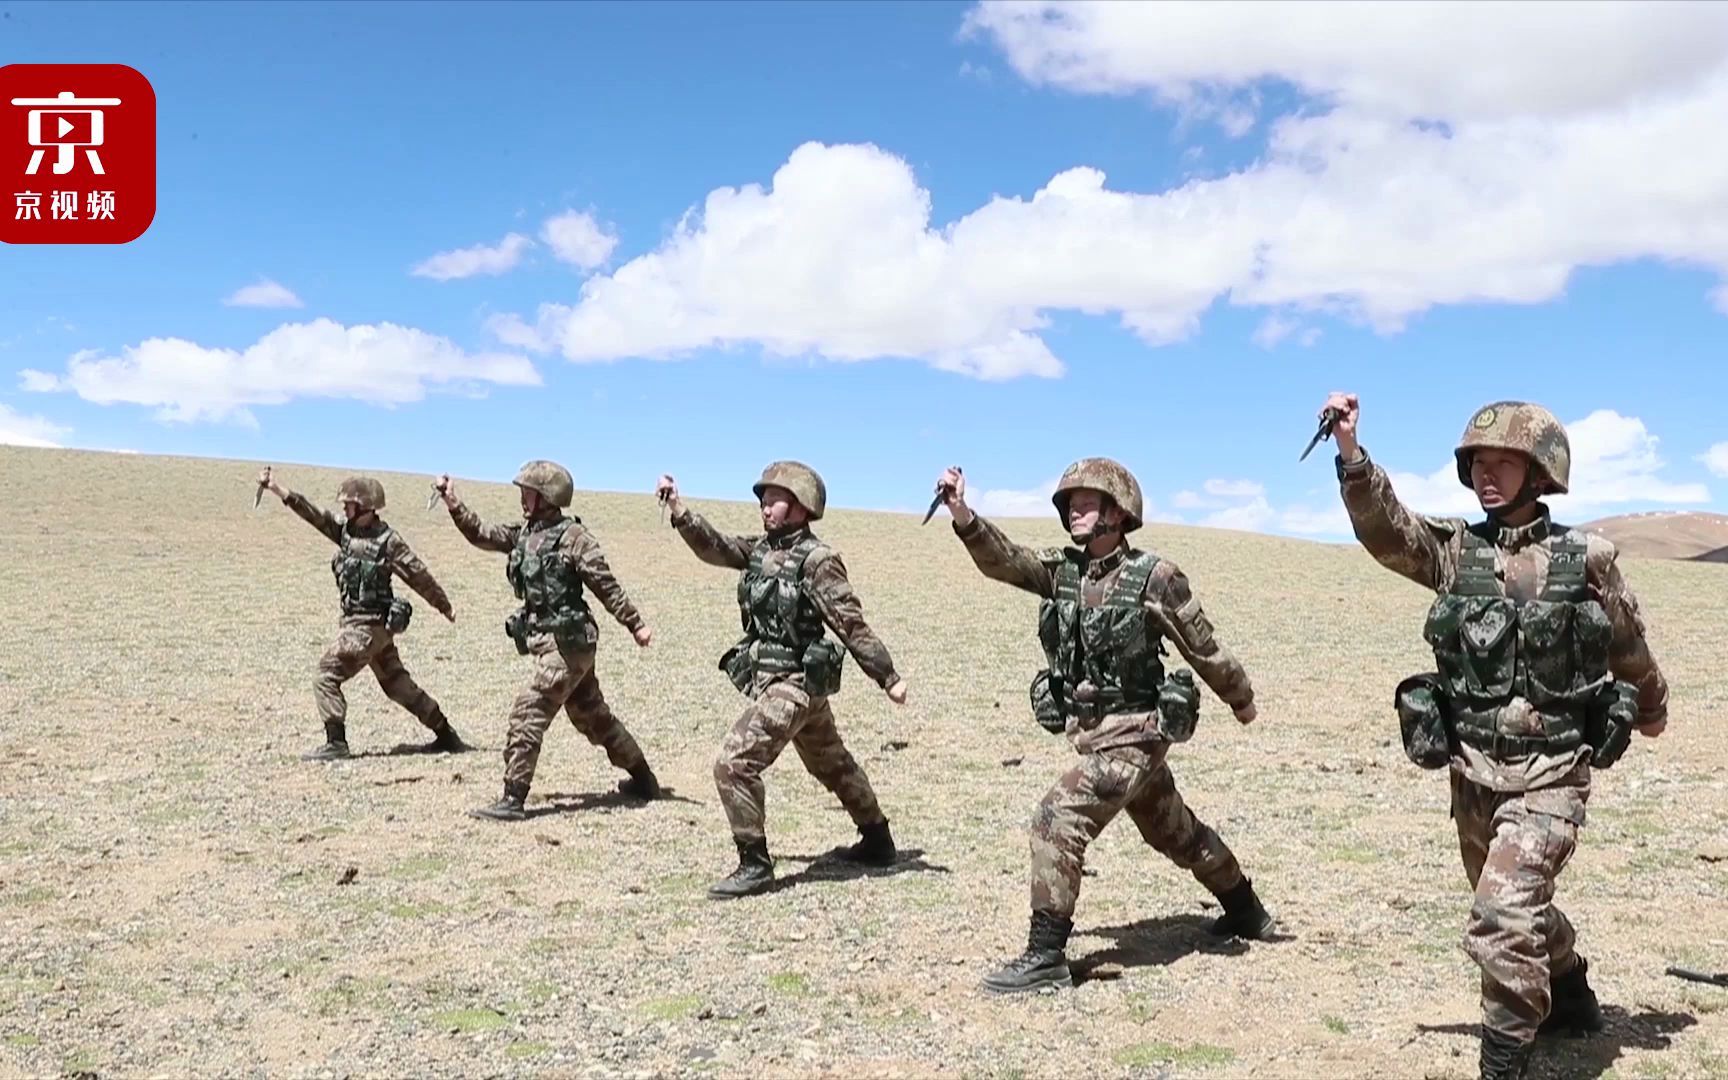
x=1668 y=535
x=169 y=896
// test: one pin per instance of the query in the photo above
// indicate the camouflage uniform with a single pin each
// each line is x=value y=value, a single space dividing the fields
x=563 y=642
x=1122 y=743
x=785 y=709
x=364 y=639
x=1520 y=770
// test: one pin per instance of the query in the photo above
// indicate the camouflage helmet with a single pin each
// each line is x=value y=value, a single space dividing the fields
x=1529 y=429
x=1110 y=477
x=550 y=479
x=364 y=490
x=801 y=480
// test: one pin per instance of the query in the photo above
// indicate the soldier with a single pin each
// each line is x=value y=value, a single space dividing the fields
x=1107 y=606
x=552 y=556
x=791 y=584
x=1543 y=671
x=368 y=552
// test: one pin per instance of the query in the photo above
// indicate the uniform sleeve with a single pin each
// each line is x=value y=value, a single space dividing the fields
x=1001 y=559
x=583 y=550
x=409 y=568
x=483 y=536
x=710 y=544
x=1629 y=656
x=316 y=516
x=1170 y=598
x=1423 y=549
x=829 y=588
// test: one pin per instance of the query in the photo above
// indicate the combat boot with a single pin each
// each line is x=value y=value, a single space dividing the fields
x=444 y=741
x=875 y=849
x=1044 y=963
x=642 y=783
x=508 y=808
x=1244 y=916
x=335 y=746
x=1503 y=1057
x=755 y=871
x=1575 y=1010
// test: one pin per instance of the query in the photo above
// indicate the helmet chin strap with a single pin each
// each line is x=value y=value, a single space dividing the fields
x=1099 y=531
x=1527 y=494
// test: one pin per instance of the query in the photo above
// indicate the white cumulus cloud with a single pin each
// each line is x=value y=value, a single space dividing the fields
x=16 y=429
x=1012 y=502
x=382 y=364
x=1416 y=58
x=1444 y=154
x=576 y=238
x=471 y=261
x=264 y=294
x=1462 y=152
x=1716 y=459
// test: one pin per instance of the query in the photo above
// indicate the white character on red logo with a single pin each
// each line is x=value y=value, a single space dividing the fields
x=70 y=122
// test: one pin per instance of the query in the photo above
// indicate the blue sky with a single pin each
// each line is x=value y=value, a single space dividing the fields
x=1258 y=238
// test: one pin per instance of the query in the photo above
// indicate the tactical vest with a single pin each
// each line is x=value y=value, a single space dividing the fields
x=548 y=586
x=1115 y=645
x=779 y=621
x=362 y=568
x=1490 y=649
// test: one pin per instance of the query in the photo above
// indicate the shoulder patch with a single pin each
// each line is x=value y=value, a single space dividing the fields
x=1444 y=527
x=1598 y=548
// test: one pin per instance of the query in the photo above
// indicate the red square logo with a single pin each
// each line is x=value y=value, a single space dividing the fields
x=77 y=154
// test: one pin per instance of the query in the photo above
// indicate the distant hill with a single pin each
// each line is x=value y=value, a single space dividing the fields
x=1688 y=535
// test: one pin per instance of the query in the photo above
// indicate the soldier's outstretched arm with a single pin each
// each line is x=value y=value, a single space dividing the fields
x=1629 y=655
x=316 y=516
x=710 y=544
x=1171 y=600
x=1423 y=549
x=1000 y=558
x=408 y=566
x=583 y=550
x=486 y=537
x=831 y=590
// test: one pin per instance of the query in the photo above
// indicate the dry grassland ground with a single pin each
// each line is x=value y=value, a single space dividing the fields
x=169 y=870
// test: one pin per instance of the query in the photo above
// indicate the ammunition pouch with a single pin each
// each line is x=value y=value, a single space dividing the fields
x=822 y=663
x=1049 y=707
x=516 y=627
x=397 y=616
x=574 y=631
x=1178 y=707
x=1422 y=706
x=738 y=666
x=1608 y=727
x=819 y=663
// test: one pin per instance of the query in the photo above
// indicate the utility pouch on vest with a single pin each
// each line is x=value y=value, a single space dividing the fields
x=1047 y=702
x=1178 y=706
x=396 y=619
x=517 y=627
x=739 y=666
x=1608 y=730
x=570 y=630
x=822 y=664
x=1421 y=704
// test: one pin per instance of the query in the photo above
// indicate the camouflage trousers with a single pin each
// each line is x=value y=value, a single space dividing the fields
x=562 y=680
x=1514 y=845
x=1093 y=792
x=784 y=713
x=361 y=646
